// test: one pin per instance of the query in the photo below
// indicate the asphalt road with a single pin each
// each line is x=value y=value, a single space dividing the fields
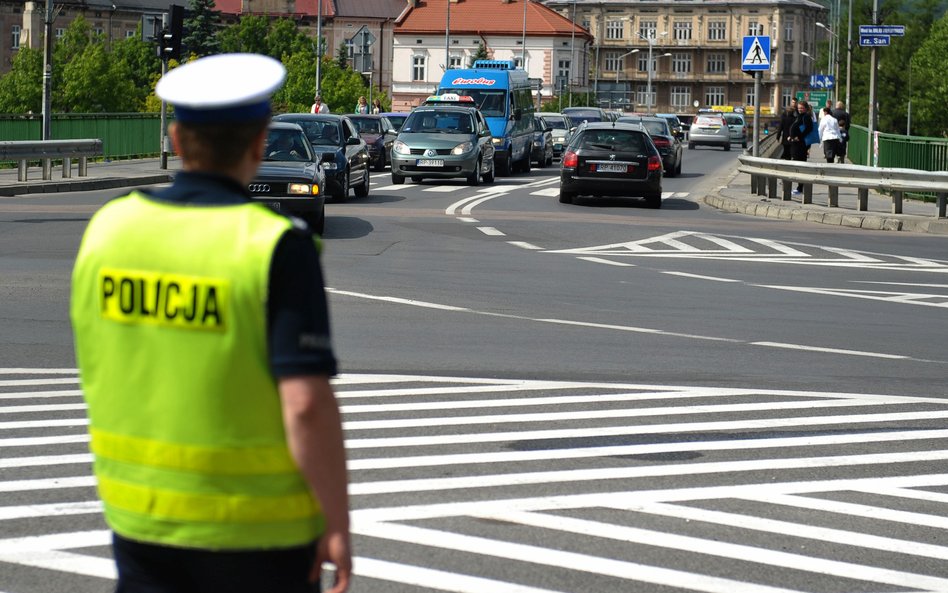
x=541 y=397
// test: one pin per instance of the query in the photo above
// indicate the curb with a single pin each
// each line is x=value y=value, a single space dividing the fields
x=69 y=185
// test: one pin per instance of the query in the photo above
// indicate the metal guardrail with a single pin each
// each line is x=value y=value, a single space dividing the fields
x=24 y=151
x=765 y=173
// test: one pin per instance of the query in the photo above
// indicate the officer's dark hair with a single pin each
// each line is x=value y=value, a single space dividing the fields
x=217 y=146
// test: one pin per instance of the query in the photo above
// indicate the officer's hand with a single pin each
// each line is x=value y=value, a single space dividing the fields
x=334 y=548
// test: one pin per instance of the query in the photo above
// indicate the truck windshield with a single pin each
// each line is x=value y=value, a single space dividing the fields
x=492 y=103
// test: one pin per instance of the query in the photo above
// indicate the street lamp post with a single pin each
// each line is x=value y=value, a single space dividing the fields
x=834 y=57
x=369 y=74
x=621 y=64
x=651 y=43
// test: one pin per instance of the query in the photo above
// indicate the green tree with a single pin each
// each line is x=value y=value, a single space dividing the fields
x=21 y=89
x=930 y=86
x=249 y=35
x=285 y=39
x=342 y=55
x=480 y=54
x=95 y=83
x=201 y=29
x=296 y=95
x=139 y=59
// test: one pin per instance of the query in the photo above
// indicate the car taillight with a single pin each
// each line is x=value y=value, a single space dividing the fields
x=654 y=163
x=661 y=142
x=570 y=159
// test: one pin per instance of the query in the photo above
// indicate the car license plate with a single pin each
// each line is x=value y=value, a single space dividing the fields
x=611 y=168
x=429 y=163
x=274 y=205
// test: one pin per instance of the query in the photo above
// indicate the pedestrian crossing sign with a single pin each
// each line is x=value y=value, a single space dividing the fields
x=756 y=53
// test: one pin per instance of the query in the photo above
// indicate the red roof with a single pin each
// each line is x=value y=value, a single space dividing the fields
x=307 y=7
x=486 y=17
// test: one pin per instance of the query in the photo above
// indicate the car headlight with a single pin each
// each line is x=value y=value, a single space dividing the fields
x=330 y=165
x=400 y=147
x=559 y=138
x=303 y=189
x=462 y=148
x=497 y=141
x=536 y=144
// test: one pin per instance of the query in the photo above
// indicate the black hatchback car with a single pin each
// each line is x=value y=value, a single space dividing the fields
x=290 y=179
x=379 y=135
x=611 y=159
x=667 y=143
x=341 y=151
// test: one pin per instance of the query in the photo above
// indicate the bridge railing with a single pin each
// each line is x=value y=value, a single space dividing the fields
x=46 y=151
x=765 y=172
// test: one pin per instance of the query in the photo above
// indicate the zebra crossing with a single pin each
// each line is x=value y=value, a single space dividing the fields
x=529 y=486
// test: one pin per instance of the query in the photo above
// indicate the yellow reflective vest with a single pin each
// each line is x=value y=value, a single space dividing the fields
x=169 y=315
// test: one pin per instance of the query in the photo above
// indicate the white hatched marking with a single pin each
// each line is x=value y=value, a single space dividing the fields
x=525 y=245
x=444 y=188
x=599 y=260
x=546 y=192
x=40 y=394
x=40 y=441
x=390 y=187
x=435 y=579
x=45 y=551
x=45 y=460
x=848 y=508
x=10 y=371
x=491 y=231
x=700 y=277
x=60 y=509
x=41 y=408
x=25 y=382
x=468 y=219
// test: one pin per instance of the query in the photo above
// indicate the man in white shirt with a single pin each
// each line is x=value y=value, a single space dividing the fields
x=830 y=135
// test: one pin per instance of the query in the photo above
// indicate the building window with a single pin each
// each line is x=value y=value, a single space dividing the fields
x=786 y=97
x=612 y=61
x=788 y=30
x=60 y=32
x=418 y=67
x=717 y=63
x=788 y=63
x=563 y=68
x=648 y=29
x=641 y=94
x=586 y=23
x=682 y=30
x=614 y=29
x=454 y=62
x=129 y=34
x=717 y=31
x=754 y=28
x=518 y=62
x=681 y=63
x=15 y=34
x=680 y=97
x=714 y=95
x=749 y=96
x=643 y=62
x=99 y=31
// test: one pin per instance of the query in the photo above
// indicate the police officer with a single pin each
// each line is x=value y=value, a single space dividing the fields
x=202 y=337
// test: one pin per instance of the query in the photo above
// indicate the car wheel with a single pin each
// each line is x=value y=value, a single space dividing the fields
x=691 y=146
x=489 y=176
x=416 y=179
x=549 y=158
x=316 y=221
x=505 y=166
x=397 y=179
x=343 y=194
x=541 y=162
x=362 y=190
x=727 y=146
x=475 y=177
x=566 y=197
x=654 y=200
x=380 y=166
x=678 y=167
x=527 y=164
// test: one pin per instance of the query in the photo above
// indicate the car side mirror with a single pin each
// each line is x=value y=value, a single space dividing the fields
x=353 y=140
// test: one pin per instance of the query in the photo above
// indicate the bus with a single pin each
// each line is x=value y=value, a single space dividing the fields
x=503 y=94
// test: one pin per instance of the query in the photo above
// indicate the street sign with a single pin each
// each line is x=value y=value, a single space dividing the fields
x=363 y=37
x=756 y=53
x=874 y=40
x=822 y=81
x=897 y=30
x=815 y=98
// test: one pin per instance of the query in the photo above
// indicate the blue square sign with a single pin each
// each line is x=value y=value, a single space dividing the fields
x=755 y=53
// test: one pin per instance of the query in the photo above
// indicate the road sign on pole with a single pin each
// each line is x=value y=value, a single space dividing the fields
x=755 y=53
x=874 y=40
x=897 y=30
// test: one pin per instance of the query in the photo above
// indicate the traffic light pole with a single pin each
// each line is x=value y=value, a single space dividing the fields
x=165 y=141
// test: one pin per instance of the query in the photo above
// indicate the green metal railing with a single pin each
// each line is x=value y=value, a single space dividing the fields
x=900 y=152
x=123 y=135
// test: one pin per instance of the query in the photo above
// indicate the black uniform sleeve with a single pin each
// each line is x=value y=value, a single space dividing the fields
x=297 y=310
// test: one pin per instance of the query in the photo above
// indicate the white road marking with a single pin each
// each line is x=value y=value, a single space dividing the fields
x=40 y=394
x=45 y=551
x=525 y=245
x=435 y=579
x=489 y=230
x=41 y=441
x=546 y=192
x=910 y=298
x=25 y=382
x=13 y=371
x=813 y=503
x=700 y=277
x=625 y=328
x=468 y=219
x=599 y=260
x=390 y=187
x=60 y=509
x=45 y=460
x=41 y=408
x=444 y=188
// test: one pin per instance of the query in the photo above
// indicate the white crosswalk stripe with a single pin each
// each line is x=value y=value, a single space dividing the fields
x=528 y=486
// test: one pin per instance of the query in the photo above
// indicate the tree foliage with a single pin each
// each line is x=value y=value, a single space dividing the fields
x=21 y=90
x=248 y=35
x=201 y=29
x=929 y=115
x=480 y=54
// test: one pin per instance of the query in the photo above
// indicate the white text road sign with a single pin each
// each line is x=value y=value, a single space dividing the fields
x=874 y=40
x=756 y=53
x=897 y=30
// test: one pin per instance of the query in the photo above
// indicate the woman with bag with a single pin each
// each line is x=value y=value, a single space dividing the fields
x=830 y=135
x=801 y=128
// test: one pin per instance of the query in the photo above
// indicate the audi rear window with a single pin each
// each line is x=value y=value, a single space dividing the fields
x=619 y=140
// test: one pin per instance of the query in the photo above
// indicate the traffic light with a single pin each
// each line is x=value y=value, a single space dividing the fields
x=170 y=43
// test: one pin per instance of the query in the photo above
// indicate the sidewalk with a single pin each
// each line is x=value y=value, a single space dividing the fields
x=102 y=175
x=917 y=216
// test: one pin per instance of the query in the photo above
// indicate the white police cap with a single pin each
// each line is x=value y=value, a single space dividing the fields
x=222 y=88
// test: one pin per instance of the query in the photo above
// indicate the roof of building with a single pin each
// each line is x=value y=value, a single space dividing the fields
x=632 y=4
x=374 y=9
x=470 y=17
x=307 y=7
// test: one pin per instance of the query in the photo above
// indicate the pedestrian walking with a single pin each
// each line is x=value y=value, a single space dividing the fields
x=842 y=116
x=783 y=133
x=376 y=106
x=829 y=135
x=203 y=344
x=814 y=136
x=318 y=105
x=362 y=106
x=802 y=127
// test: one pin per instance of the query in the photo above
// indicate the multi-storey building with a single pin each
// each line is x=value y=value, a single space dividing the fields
x=431 y=36
x=695 y=48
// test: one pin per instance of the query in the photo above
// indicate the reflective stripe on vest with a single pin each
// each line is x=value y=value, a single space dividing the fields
x=169 y=316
